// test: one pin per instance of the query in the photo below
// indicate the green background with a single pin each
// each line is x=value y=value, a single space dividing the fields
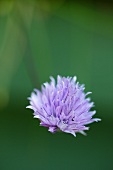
x=43 y=38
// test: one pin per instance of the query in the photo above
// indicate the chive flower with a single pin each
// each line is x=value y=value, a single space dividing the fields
x=63 y=106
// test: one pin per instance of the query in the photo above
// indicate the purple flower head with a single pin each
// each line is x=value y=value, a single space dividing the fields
x=63 y=106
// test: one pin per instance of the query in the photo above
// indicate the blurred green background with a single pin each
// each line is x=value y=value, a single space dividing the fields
x=43 y=38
